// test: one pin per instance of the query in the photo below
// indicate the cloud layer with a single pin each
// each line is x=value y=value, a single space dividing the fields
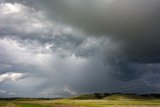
x=58 y=48
x=132 y=22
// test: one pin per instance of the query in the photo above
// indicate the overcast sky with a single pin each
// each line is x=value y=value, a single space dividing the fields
x=59 y=48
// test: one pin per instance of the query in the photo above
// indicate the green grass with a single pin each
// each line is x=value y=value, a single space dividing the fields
x=85 y=103
x=110 y=103
x=32 y=105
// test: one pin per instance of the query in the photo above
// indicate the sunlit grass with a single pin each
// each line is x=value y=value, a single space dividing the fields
x=78 y=103
x=32 y=105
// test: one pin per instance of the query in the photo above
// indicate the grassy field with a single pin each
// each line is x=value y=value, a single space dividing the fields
x=77 y=103
x=115 y=100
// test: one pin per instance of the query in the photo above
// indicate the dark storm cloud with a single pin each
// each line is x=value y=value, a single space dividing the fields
x=136 y=23
x=79 y=46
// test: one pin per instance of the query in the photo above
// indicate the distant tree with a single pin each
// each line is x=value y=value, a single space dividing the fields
x=98 y=95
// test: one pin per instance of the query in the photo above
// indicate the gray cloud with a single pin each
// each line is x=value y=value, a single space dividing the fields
x=78 y=47
x=136 y=23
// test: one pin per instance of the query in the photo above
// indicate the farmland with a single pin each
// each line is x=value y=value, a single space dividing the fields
x=115 y=100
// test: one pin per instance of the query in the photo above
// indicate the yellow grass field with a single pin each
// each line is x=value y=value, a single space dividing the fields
x=81 y=103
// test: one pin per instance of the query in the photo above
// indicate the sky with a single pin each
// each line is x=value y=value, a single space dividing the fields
x=61 y=48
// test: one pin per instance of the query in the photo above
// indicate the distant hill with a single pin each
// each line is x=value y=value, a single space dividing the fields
x=85 y=96
x=24 y=99
x=152 y=96
x=92 y=96
x=95 y=96
x=116 y=96
x=124 y=97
